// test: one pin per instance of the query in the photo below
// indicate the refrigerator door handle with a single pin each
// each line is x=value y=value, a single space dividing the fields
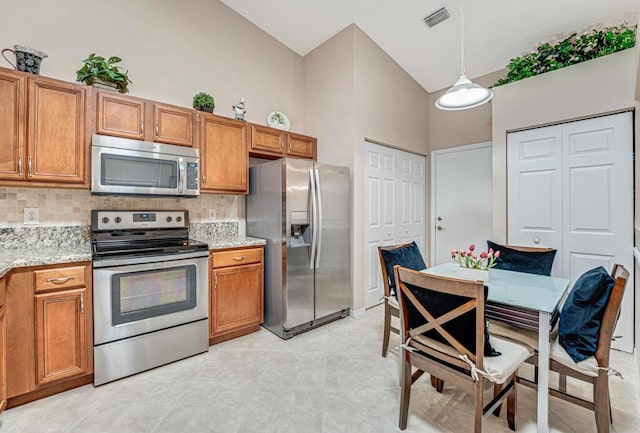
x=319 y=218
x=314 y=216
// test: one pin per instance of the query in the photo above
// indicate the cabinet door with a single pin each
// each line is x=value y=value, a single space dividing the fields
x=267 y=140
x=120 y=116
x=56 y=139
x=3 y=363
x=224 y=159
x=301 y=146
x=173 y=125
x=236 y=298
x=60 y=332
x=12 y=125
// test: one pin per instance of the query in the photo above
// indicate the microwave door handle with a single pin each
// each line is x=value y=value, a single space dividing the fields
x=181 y=175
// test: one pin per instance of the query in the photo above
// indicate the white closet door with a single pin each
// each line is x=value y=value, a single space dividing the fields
x=534 y=193
x=598 y=209
x=394 y=208
x=570 y=187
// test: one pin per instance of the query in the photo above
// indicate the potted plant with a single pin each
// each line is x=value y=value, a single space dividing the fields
x=97 y=69
x=204 y=102
x=475 y=266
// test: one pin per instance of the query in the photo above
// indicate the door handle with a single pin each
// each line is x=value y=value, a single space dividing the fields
x=30 y=166
x=81 y=303
x=20 y=166
x=440 y=228
x=239 y=259
x=60 y=280
x=141 y=127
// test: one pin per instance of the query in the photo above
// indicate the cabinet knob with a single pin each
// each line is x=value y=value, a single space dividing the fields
x=30 y=166
x=440 y=228
x=60 y=280
x=239 y=259
x=536 y=240
x=20 y=166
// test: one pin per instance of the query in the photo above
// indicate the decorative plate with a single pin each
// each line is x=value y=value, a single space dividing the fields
x=278 y=120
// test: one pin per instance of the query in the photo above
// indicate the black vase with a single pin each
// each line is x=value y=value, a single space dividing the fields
x=203 y=108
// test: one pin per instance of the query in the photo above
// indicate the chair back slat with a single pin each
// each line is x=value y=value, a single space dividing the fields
x=611 y=314
x=473 y=290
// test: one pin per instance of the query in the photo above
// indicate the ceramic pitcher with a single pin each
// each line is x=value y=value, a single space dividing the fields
x=27 y=59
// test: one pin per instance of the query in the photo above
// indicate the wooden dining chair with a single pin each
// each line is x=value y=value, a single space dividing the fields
x=500 y=326
x=395 y=255
x=596 y=369
x=434 y=310
x=392 y=255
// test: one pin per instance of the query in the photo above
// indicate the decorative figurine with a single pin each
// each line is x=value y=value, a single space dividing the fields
x=239 y=109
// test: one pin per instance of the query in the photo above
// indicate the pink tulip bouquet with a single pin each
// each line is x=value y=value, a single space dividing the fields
x=469 y=259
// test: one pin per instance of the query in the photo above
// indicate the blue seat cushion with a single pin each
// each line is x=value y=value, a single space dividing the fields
x=462 y=328
x=531 y=262
x=582 y=313
x=407 y=257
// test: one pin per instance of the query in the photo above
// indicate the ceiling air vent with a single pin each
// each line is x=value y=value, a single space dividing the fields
x=437 y=17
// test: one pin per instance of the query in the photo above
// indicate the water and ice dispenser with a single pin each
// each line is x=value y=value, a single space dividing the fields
x=300 y=230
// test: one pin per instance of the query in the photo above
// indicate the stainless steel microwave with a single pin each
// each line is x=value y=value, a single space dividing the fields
x=124 y=166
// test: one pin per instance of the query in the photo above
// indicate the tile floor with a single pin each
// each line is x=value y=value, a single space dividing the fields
x=328 y=380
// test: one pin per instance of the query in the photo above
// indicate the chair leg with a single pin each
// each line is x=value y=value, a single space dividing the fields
x=405 y=391
x=478 y=400
x=437 y=383
x=387 y=329
x=601 y=403
x=562 y=382
x=512 y=405
x=496 y=390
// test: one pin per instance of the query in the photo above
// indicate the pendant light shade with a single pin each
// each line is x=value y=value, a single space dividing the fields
x=464 y=94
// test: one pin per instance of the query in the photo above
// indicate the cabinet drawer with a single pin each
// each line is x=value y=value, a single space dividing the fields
x=59 y=278
x=221 y=259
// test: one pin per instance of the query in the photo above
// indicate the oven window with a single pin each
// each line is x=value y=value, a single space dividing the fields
x=146 y=294
x=135 y=171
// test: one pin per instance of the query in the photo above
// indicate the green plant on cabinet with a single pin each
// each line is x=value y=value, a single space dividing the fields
x=98 y=68
x=204 y=102
x=570 y=51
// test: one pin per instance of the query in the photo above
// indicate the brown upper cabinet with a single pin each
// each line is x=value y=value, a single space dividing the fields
x=273 y=143
x=130 y=117
x=224 y=161
x=42 y=130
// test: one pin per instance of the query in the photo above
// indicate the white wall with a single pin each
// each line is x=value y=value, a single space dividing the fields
x=172 y=49
x=353 y=91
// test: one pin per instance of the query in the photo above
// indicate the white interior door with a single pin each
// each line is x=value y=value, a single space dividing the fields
x=461 y=199
x=570 y=187
x=395 y=210
x=534 y=195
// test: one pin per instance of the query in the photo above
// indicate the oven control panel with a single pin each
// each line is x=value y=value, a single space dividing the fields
x=123 y=220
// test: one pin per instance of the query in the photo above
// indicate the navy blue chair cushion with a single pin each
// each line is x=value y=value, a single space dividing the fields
x=531 y=262
x=582 y=313
x=462 y=328
x=407 y=257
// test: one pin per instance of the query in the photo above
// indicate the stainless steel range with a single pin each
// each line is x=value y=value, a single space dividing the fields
x=150 y=285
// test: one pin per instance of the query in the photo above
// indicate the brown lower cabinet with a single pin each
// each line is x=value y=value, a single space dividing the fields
x=49 y=330
x=236 y=295
x=3 y=347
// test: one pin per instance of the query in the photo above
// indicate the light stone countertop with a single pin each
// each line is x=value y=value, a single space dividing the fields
x=36 y=256
x=11 y=258
x=216 y=243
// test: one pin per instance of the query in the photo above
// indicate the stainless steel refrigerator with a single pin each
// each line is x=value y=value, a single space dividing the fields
x=302 y=209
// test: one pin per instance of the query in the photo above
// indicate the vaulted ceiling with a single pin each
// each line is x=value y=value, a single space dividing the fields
x=494 y=30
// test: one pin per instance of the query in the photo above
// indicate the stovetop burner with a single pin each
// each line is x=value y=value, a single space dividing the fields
x=117 y=234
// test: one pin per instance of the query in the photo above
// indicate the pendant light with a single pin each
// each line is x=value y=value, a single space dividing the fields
x=464 y=94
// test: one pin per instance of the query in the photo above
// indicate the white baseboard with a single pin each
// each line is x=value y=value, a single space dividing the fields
x=357 y=313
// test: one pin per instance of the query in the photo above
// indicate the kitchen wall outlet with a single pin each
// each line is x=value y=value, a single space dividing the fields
x=212 y=214
x=31 y=215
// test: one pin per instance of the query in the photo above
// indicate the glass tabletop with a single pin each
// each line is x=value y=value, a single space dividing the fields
x=535 y=292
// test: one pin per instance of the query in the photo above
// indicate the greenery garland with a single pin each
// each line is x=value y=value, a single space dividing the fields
x=572 y=50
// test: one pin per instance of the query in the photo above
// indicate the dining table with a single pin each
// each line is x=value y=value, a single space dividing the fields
x=528 y=301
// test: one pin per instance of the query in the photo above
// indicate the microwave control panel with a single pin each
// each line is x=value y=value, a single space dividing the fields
x=192 y=175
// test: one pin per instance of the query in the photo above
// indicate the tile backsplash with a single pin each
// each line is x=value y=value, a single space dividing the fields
x=68 y=207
